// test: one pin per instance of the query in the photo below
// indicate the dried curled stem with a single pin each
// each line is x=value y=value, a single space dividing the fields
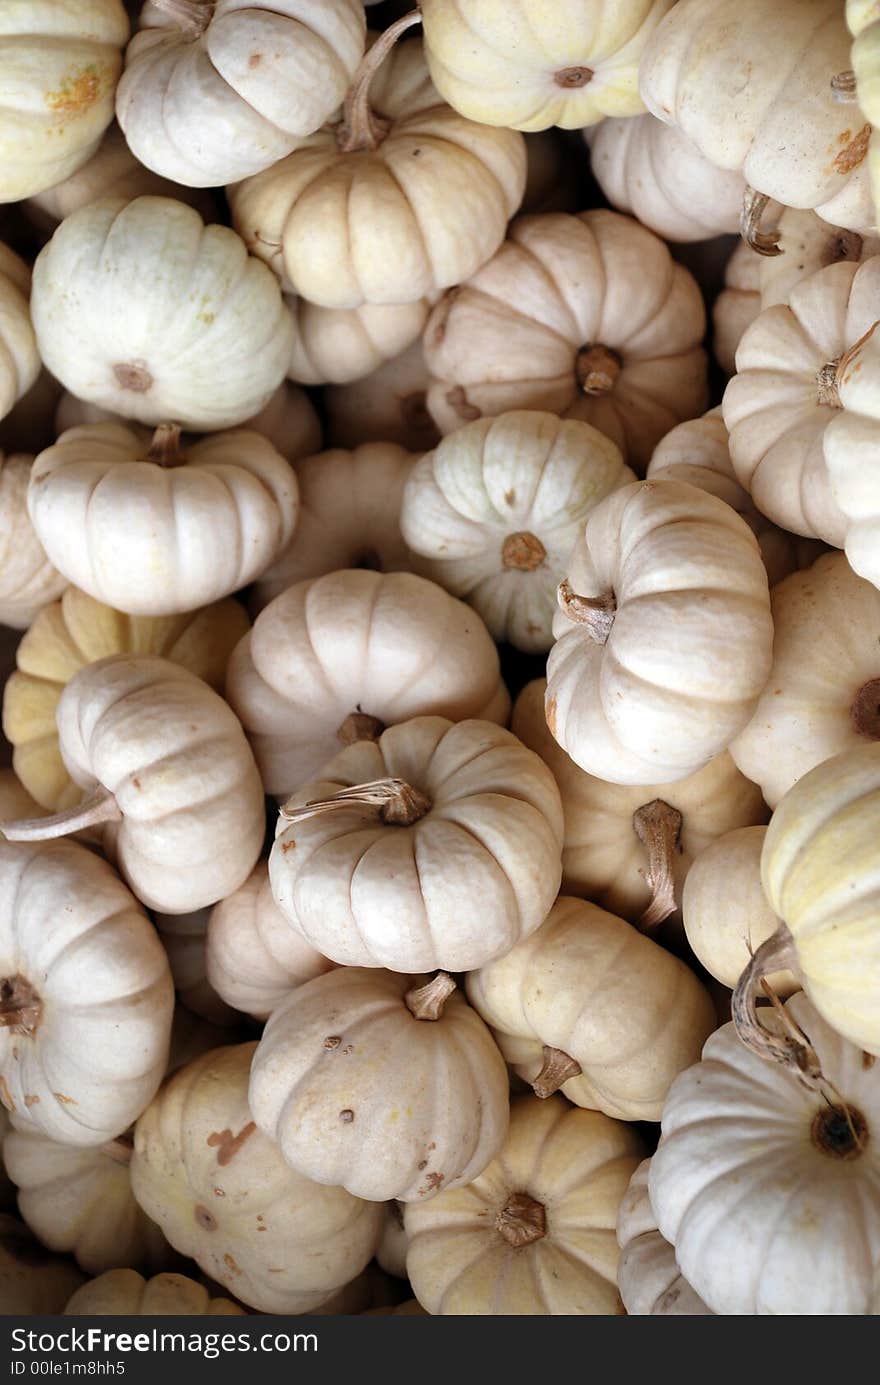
x=98 y=807
x=399 y=804
x=521 y=1220
x=658 y=827
x=193 y=16
x=427 y=1002
x=843 y=87
x=21 y=1008
x=595 y=612
x=557 y=1069
x=361 y=128
x=763 y=242
x=164 y=446
x=792 y=1047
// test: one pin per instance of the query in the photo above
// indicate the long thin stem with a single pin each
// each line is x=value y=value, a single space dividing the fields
x=398 y=802
x=99 y=807
x=361 y=128
x=763 y=242
x=791 y=1048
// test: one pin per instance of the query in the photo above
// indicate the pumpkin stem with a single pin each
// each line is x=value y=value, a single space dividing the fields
x=20 y=1007
x=523 y=552
x=165 y=445
x=98 y=807
x=358 y=726
x=658 y=827
x=865 y=710
x=521 y=1220
x=427 y=1002
x=763 y=242
x=826 y=385
x=557 y=1068
x=595 y=612
x=193 y=16
x=791 y=1048
x=361 y=128
x=843 y=87
x=839 y=368
x=596 y=368
x=399 y=803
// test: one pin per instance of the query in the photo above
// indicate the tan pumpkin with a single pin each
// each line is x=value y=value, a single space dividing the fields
x=31 y=1279
x=664 y=636
x=223 y=1195
x=76 y=631
x=630 y=848
x=28 y=580
x=388 y=406
x=590 y=1006
x=651 y=1284
x=534 y=1234
x=349 y=517
x=823 y=694
x=184 y=937
x=253 y=958
x=360 y=863
x=338 y=345
x=19 y=358
x=583 y=316
x=363 y=1107
x=341 y=656
x=125 y=1293
x=212 y=93
x=737 y=305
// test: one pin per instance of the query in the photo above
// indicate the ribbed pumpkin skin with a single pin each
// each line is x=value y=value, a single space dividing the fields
x=28 y=580
x=125 y=1293
x=19 y=358
x=650 y=1281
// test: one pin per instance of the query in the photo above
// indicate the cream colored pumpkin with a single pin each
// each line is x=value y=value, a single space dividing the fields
x=823 y=694
x=253 y=958
x=389 y=1086
x=349 y=517
x=141 y=308
x=28 y=581
x=76 y=631
x=61 y=60
x=86 y=995
x=223 y=1195
x=725 y=911
x=756 y=96
x=589 y=1006
x=583 y=316
x=391 y=1251
x=214 y=92
x=32 y=1280
x=801 y=402
x=19 y=358
x=365 y=877
x=629 y=848
x=169 y=771
x=79 y=1201
x=698 y=452
x=808 y=244
x=768 y=1187
x=534 y=1234
x=400 y=200
x=339 y=345
x=184 y=937
x=343 y=655
x=125 y=1293
x=651 y=1284
x=529 y=66
x=737 y=305
x=388 y=406
x=494 y=511
x=166 y=529
x=651 y=171
x=664 y=638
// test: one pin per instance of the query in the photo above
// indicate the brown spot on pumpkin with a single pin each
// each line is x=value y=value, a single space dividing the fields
x=457 y=399
x=573 y=77
x=422 y=1164
x=133 y=376
x=65 y=1100
x=868 y=1060
x=854 y=152
x=32 y=1100
x=346 y=1116
x=79 y=92
x=219 y=1192
x=510 y=497
x=6 y=1095
x=205 y=1219
x=287 y=846
x=228 y=1144
x=433 y=1181
x=255 y=59
x=135 y=781
x=332 y=1041
x=229 y=1262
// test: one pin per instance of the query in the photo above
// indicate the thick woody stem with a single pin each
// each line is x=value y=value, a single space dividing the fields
x=165 y=445
x=826 y=385
x=658 y=827
x=558 y=1068
x=193 y=16
x=358 y=726
x=843 y=87
x=20 y=1007
x=865 y=710
x=361 y=128
x=596 y=369
x=792 y=1048
x=595 y=612
x=100 y=806
x=427 y=1002
x=399 y=804
x=763 y=242
x=521 y=1220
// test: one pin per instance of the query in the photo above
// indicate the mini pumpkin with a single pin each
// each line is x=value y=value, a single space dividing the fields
x=583 y=316
x=125 y=1293
x=590 y=1006
x=339 y=345
x=737 y=305
x=31 y=1279
x=336 y=658
x=494 y=511
x=141 y=308
x=76 y=631
x=223 y=1195
x=19 y=358
x=664 y=638
x=534 y=1234
x=28 y=580
x=388 y=406
x=651 y=1284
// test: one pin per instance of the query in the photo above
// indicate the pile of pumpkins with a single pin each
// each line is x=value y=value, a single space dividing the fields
x=440 y=836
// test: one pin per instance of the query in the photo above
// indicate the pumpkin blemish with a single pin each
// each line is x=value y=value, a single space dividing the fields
x=228 y=1144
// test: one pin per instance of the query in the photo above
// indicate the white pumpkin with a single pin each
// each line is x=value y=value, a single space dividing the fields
x=808 y=244
x=341 y=656
x=360 y=863
x=125 y=1293
x=737 y=305
x=162 y=530
x=28 y=580
x=214 y=92
x=664 y=638
x=253 y=958
x=388 y=406
x=494 y=511
x=823 y=694
x=389 y=1086
x=338 y=345
x=184 y=937
x=85 y=998
x=60 y=60
x=19 y=358
x=767 y=1186
x=32 y=1280
x=650 y=1282
x=141 y=308
x=223 y=1195
x=350 y=504
x=79 y=1201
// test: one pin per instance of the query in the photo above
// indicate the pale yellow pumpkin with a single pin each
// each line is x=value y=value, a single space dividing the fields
x=125 y=1293
x=31 y=1279
x=19 y=358
x=862 y=21
x=28 y=580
